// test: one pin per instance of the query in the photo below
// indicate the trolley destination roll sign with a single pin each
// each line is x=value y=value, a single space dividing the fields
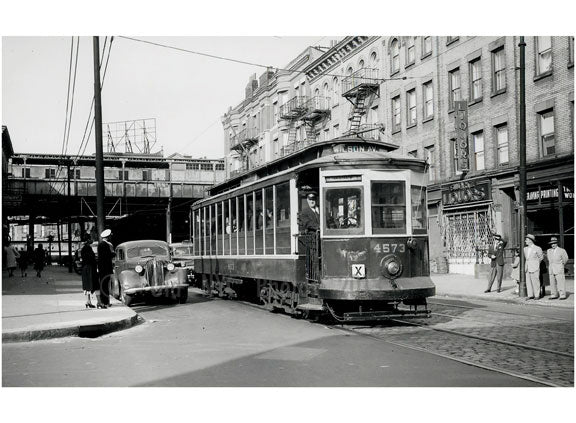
x=461 y=125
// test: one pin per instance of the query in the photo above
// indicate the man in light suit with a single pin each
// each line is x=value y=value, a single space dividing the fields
x=534 y=256
x=557 y=259
x=496 y=254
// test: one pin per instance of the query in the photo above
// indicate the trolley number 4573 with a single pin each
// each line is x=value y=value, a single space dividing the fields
x=389 y=248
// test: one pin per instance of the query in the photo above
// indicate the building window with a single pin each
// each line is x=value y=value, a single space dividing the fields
x=544 y=58
x=570 y=51
x=396 y=117
x=451 y=39
x=454 y=87
x=219 y=166
x=430 y=155
x=326 y=93
x=476 y=80
x=276 y=147
x=547 y=133
x=428 y=94
x=503 y=149
x=192 y=166
x=146 y=175
x=123 y=175
x=206 y=166
x=426 y=46
x=50 y=173
x=478 y=141
x=410 y=51
x=335 y=99
x=411 y=107
x=361 y=64
x=498 y=71
x=395 y=56
x=76 y=174
x=373 y=59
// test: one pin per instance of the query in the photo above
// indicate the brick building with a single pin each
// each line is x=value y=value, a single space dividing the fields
x=413 y=89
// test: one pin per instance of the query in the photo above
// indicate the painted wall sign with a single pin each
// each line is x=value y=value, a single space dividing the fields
x=346 y=148
x=549 y=193
x=466 y=192
x=461 y=126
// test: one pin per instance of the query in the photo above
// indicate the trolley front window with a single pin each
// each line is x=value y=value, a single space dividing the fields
x=343 y=211
x=388 y=207
x=418 y=200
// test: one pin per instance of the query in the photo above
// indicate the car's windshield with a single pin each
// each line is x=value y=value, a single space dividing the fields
x=182 y=251
x=146 y=250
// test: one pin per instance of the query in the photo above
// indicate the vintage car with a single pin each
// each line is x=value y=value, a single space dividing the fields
x=144 y=269
x=183 y=258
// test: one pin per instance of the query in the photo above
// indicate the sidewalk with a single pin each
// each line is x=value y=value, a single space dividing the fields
x=466 y=286
x=53 y=307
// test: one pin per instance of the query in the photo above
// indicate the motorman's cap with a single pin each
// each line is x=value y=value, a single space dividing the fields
x=106 y=233
x=311 y=196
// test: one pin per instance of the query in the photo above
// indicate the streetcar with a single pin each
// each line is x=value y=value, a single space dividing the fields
x=368 y=258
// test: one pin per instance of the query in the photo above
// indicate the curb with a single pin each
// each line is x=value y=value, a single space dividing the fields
x=84 y=331
x=504 y=300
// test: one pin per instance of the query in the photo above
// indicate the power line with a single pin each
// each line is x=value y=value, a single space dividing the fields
x=73 y=92
x=68 y=94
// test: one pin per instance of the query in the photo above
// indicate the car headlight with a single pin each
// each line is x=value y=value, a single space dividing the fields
x=170 y=266
x=391 y=266
x=139 y=269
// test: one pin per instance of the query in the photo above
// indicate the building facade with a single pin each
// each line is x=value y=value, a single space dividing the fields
x=452 y=101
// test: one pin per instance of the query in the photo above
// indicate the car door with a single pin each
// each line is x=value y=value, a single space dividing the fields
x=119 y=264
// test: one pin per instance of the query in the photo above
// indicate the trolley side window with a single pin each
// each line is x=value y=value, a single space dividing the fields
x=259 y=223
x=269 y=220
x=233 y=227
x=388 y=207
x=241 y=226
x=419 y=218
x=213 y=229
x=219 y=226
x=250 y=223
x=283 y=218
x=343 y=211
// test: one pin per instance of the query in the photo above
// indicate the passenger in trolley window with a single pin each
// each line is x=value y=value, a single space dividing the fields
x=557 y=259
x=534 y=256
x=496 y=254
x=310 y=216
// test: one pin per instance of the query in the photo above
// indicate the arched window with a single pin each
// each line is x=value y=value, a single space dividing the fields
x=361 y=64
x=373 y=59
x=394 y=56
x=326 y=94
x=317 y=92
x=350 y=71
x=335 y=91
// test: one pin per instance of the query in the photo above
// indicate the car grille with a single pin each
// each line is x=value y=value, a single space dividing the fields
x=155 y=272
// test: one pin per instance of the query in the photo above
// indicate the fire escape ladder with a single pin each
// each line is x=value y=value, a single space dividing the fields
x=359 y=109
x=310 y=132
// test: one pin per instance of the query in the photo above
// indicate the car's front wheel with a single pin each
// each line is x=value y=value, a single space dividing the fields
x=126 y=299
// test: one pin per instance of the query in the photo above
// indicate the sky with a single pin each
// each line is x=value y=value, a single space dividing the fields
x=186 y=94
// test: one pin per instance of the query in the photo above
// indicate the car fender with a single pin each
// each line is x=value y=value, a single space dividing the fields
x=131 y=279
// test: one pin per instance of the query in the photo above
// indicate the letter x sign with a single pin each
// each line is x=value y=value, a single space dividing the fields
x=358 y=271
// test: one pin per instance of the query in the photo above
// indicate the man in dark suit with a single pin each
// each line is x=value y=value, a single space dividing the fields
x=496 y=254
x=310 y=216
x=105 y=267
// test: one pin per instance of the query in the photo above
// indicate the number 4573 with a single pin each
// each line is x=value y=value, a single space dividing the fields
x=389 y=248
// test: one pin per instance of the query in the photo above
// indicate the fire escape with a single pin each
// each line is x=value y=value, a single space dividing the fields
x=357 y=88
x=241 y=144
x=307 y=110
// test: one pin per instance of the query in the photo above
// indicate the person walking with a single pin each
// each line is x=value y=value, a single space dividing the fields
x=557 y=259
x=105 y=267
x=39 y=259
x=516 y=270
x=496 y=254
x=90 y=283
x=534 y=256
x=23 y=263
x=12 y=256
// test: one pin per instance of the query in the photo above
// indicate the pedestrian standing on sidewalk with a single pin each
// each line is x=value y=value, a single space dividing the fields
x=39 y=259
x=23 y=263
x=11 y=256
x=496 y=254
x=105 y=267
x=534 y=256
x=557 y=259
x=516 y=270
x=90 y=283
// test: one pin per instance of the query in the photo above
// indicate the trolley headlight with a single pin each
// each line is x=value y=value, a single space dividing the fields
x=391 y=266
x=138 y=269
x=170 y=266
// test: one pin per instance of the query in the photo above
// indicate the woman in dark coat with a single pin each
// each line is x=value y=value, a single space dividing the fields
x=90 y=282
x=39 y=258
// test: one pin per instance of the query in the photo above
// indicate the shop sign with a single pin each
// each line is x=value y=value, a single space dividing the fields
x=461 y=125
x=549 y=193
x=466 y=193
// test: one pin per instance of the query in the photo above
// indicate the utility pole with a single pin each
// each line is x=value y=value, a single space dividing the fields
x=522 y=168
x=69 y=207
x=99 y=151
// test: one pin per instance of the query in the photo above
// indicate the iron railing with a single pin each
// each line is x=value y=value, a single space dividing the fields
x=318 y=104
x=294 y=108
x=365 y=77
x=311 y=243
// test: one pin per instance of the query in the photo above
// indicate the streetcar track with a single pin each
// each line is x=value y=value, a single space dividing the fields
x=502 y=312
